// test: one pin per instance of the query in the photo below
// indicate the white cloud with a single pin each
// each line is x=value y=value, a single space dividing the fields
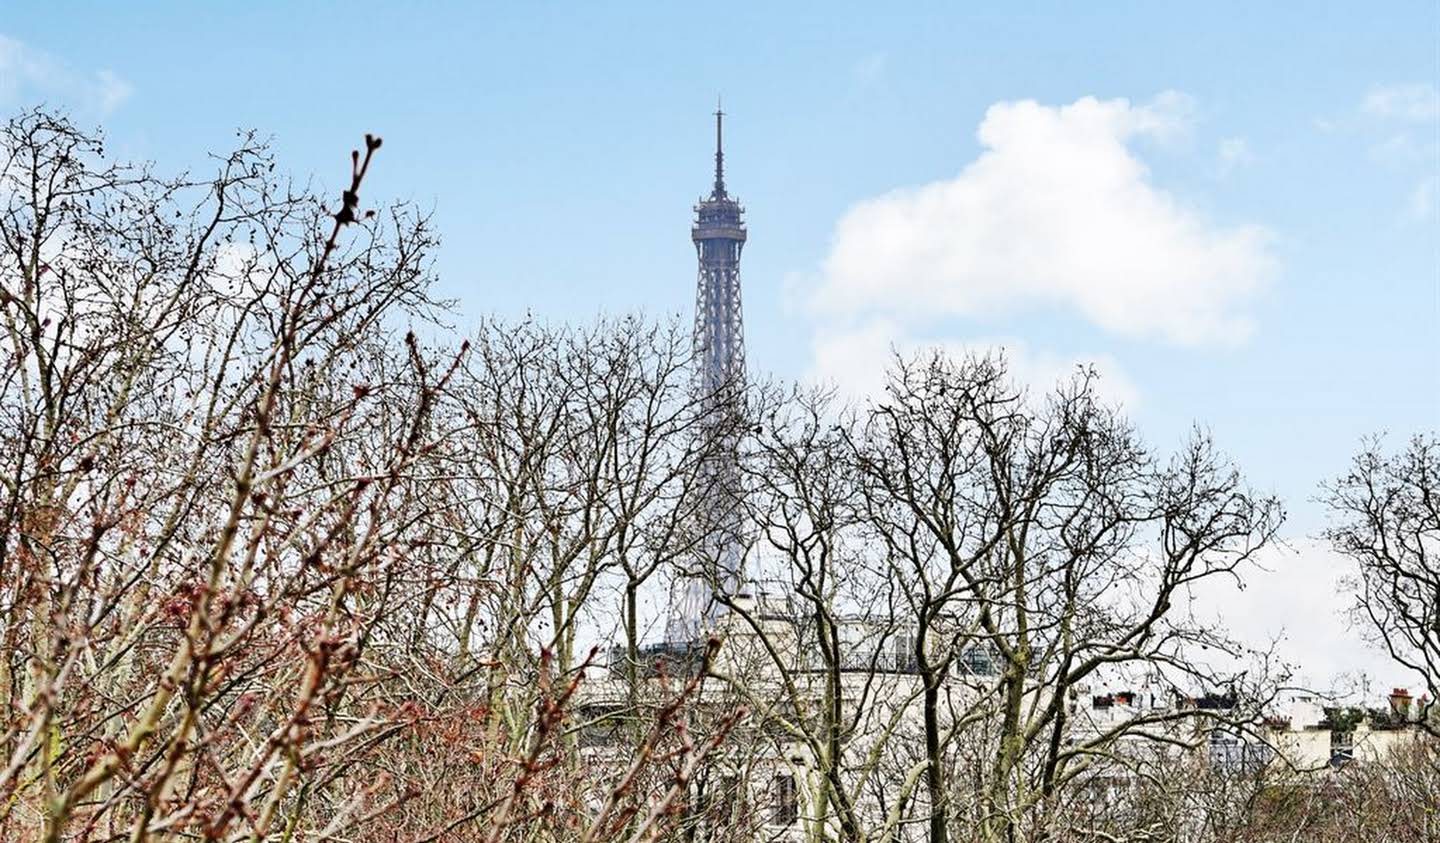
x=1234 y=152
x=1414 y=103
x=1057 y=211
x=855 y=361
x=29 y=74
x=1403 y=122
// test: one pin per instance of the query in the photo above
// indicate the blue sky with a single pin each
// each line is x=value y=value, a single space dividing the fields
x=1254 y=187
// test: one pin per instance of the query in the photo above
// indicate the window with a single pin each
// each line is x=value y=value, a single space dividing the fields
x=785 y=801
x=1342 y=747
x=976 y=660
x=902 y=655
x=1225 y=750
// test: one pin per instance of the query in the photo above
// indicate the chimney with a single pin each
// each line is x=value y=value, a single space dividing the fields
x=1400 y=703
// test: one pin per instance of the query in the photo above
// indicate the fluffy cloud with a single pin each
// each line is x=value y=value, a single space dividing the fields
x=1058 y=210
x=27 y=73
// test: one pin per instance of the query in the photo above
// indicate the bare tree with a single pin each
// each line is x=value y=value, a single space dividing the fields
x=1387 y=520
x=956 y=565
x=186 y=522
x=271 y=566
x=1048 y=538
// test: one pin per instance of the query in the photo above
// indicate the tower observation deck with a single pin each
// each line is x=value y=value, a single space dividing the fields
x=719 y=349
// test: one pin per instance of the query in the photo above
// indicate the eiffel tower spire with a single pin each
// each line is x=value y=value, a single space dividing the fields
x=719 y=191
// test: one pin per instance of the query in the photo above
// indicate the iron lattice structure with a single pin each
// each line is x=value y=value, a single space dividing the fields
x=719 y=348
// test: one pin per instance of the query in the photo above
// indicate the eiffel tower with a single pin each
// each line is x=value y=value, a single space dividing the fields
x=719 y=348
